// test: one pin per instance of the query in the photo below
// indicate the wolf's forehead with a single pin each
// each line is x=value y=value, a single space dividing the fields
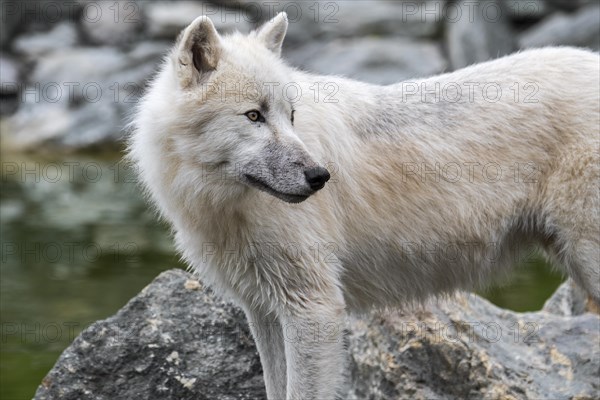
x=248 y=72
x=255 y=74
x=248 y=86
x=247 y=56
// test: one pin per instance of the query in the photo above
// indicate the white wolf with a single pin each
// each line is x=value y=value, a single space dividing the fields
x=430 y=190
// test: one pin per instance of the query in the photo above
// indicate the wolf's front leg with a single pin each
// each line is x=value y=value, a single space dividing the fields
x=268 y=337
x=314 y=352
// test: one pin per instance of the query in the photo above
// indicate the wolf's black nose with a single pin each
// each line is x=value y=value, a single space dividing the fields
x=316 y=177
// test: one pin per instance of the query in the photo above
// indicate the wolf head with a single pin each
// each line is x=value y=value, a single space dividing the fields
x=217 y=110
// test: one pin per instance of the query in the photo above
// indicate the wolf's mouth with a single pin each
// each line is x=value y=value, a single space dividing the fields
x=287 y=197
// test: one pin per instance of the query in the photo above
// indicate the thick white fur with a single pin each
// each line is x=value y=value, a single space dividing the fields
x=386 y=230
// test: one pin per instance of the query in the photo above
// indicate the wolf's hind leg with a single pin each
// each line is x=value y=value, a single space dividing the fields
x=572 y=206
x=584 y=263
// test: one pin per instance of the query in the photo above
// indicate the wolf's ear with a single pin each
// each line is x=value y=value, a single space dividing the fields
x=273 y=32
x=198 y=51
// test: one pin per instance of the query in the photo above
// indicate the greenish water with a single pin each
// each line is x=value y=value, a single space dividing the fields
x=78 y=241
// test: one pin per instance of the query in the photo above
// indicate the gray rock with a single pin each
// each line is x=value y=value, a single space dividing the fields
x=175 y=341
x=55 y=127
x=102 y=65
x=9 y=75
x=10 y=82
x=85 y=93
x=570 y=5
x=10 y=19
x=527 y=10
x=112 y=22
x=79 y=64
x=359 y=18
x=35 y=45
x=167 y=19
x=381 y=61
x=20 y=16
x=467 y=348
x=579 y=29
x=172 y=341
x=418 y=19
x=479 y=32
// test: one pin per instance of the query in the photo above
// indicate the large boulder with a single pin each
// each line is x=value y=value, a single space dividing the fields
x=9 y=75
x=78 y=98
x=175 y=340
x=467 y=348
x=311 y=21
x=172 y=341
x=166 y=19
x=477 y=31
x=560 y=29
x=33 y=46
x=18 y=16
x=10 y=82
x=374 y=60
x=115 y=23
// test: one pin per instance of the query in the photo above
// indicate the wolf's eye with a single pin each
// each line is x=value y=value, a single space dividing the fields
x=255 y=116
x=293 y=112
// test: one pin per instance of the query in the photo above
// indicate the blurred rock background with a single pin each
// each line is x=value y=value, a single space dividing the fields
x=71 y=71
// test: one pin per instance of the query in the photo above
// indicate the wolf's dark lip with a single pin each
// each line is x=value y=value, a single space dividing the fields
x=287 y=197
